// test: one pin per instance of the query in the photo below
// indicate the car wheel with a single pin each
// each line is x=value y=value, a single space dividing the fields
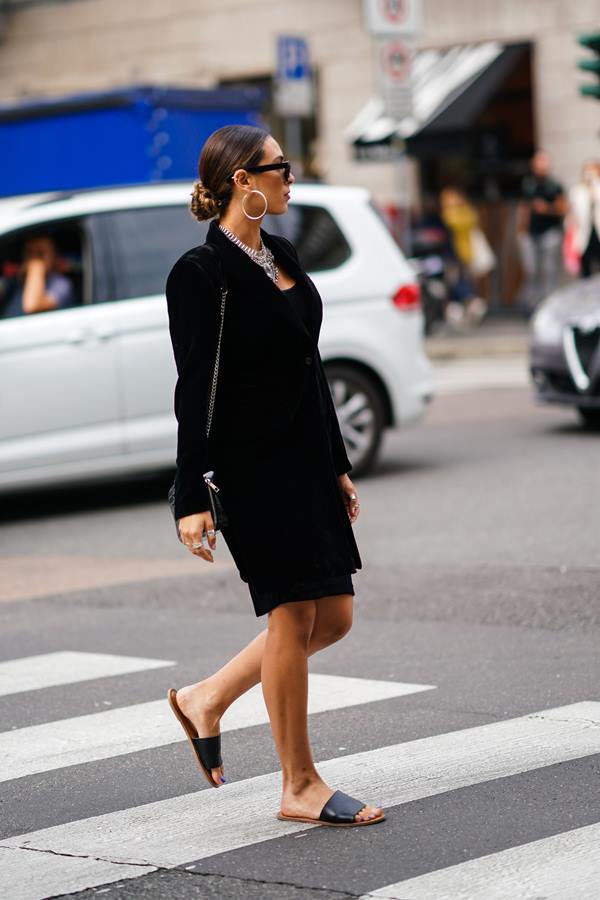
x=589 y=417
x=360 y=410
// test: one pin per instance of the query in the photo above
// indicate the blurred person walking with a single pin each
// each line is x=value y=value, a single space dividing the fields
x=583 y=219
x=432 y=250
x=540 y=216
x=461 y=218
x=279 y=461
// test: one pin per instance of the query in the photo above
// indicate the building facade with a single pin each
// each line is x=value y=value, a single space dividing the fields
x=49 y=49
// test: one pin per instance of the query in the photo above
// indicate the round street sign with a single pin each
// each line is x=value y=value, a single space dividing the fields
x=393 y=17
x=395 y=61
x=395 y=11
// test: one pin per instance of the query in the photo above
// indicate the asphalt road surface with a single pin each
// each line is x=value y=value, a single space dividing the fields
x=465 y=699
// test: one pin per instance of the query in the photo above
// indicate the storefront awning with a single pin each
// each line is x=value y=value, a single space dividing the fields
x=450 y=89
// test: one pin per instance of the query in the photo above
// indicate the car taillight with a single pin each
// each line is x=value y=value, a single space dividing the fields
x=407 y=297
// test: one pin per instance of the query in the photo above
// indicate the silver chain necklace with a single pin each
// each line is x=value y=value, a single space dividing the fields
x=263 y=257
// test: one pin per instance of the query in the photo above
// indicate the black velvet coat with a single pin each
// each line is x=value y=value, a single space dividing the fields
x=276 y=457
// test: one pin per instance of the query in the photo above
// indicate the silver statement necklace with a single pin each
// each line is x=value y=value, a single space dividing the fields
x=264 y=257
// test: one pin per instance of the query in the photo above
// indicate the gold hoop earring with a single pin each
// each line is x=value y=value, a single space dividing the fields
x=264 y=210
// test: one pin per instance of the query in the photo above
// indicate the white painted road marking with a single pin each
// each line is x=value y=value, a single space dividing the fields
x=82 y=739
x=129 y=843
x=479 y=373
x=31 y=673
x=562 y=867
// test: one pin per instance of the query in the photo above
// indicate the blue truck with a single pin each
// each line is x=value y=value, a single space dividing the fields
x=129 y=135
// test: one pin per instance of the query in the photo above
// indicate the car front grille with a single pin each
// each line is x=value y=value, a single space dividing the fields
x=586 y=343
x=561 y=383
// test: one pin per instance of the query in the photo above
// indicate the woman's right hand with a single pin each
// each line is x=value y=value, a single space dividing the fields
x=191 y=530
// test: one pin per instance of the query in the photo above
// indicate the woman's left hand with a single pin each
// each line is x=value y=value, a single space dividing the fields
x=350 y=495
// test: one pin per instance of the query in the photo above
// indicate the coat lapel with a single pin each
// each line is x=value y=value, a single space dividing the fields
x=247 y=271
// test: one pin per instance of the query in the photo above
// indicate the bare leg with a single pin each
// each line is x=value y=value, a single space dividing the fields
x=285 y=689
x=206 y=701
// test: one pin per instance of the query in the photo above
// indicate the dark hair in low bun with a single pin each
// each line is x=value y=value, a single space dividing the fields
x=204 y=204
x=225 y=150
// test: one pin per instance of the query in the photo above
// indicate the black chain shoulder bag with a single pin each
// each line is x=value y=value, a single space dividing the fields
x=216 y=506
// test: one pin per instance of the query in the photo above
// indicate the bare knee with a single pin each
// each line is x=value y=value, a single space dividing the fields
x=335 y=631
x=333 y=621
x=293 y=621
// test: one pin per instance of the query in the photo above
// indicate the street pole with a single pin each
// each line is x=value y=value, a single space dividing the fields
x=293 y=137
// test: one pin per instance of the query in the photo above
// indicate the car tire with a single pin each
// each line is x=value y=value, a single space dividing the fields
x=590 y=417
x=366 y=417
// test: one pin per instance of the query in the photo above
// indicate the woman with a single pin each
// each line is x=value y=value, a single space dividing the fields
x=278 y=456
x=460 y=217
x=584 y=218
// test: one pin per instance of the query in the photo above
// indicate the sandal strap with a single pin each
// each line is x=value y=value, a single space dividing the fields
x=209 y=751
x=340 y=808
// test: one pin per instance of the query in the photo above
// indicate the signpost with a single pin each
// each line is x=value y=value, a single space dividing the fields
x=294 y=98
x=394 y=24
x=395 y=63
x=294 y=86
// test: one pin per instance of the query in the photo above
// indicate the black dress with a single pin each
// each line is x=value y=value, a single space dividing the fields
x=275 y=444
x=265 y=595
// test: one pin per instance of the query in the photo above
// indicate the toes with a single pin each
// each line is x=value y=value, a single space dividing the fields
x=218 y=775
x=368 y=812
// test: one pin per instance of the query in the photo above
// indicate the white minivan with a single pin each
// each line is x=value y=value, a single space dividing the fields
x=87 y=390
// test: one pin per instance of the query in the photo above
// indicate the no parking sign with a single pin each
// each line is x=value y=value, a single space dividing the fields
x=395 y=60
x=393 y=16
x=393 y=23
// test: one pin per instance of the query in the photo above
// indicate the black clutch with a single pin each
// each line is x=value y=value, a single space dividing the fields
x=216 y=507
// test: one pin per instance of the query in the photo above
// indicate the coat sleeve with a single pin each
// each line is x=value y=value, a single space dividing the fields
x=193 y=327
x=338 y=448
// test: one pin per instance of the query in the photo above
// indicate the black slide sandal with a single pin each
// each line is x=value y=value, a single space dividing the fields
x=207 y=750
x=339 y=811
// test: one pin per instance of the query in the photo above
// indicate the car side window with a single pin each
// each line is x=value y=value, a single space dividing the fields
x=56 y=250
x=313 y=231
x=145 y=243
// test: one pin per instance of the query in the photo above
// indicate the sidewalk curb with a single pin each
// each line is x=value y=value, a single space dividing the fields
x=449 y=348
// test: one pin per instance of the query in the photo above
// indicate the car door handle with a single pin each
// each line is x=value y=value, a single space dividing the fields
x=104 y=333
x=77 y=336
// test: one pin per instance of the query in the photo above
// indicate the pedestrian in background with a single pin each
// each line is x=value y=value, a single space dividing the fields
x=583 y=220
x=461 y=218
x=540 y=216
x=278 y=457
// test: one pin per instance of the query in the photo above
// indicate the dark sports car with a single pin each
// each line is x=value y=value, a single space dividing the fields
x=565 y=348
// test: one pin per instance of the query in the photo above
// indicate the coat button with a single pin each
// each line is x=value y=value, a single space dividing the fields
x=308 y=360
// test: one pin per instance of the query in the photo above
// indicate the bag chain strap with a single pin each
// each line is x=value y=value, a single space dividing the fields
x=213 y=390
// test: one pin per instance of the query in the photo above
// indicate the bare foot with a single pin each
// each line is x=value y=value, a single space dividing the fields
x=198 y=704
x=310 y=800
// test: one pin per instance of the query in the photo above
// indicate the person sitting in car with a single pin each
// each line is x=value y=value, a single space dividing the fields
x=37 y=285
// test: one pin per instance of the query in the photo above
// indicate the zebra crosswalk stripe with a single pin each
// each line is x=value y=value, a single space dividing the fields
x=167 y=833
x=31 y=673
x=82 y=739
x=562 y=867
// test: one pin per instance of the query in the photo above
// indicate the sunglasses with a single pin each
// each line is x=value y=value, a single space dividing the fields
x=286 y=166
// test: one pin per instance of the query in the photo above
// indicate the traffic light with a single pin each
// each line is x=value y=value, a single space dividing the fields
x=592 y=42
